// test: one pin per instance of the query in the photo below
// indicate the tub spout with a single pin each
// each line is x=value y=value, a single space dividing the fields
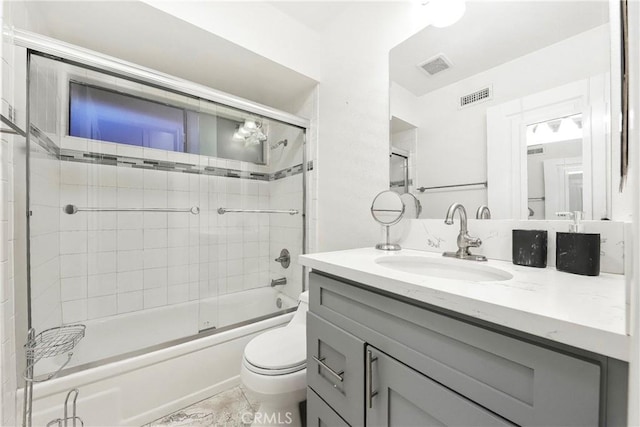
x=278 y=282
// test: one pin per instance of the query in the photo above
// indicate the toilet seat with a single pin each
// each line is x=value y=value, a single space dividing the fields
x=277 y=352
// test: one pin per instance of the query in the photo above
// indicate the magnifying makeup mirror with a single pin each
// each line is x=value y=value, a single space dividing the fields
x=387 y=209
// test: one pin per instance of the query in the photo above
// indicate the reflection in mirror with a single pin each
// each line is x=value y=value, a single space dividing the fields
x=555 y=167
x=517 y=55
x=412 y=206
x=398 y=172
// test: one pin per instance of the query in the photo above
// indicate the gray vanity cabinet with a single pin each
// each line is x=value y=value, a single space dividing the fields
x=399 y=396
x=424 y=364
x=335 y=369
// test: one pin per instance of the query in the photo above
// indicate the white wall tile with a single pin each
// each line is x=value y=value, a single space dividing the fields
x=130 y=281
x=73 y=242
x=129 y=177
x=128 y=240
x=73 y=265
x=178 y=294
x=155 y=238
x=101 y=285
x=99 y=307
x=178 y=237
x=130 y=301
x=130 y=261
x=178 y=275
x=129 y=220
x=73 y=172
x=155 y=278
x=101 y=241
x=101 y=263
x=73 y=288
x=155 y=297
x=74 y=311
x=155 y=258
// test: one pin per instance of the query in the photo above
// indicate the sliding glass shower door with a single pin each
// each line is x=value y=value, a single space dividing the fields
x=156 y=215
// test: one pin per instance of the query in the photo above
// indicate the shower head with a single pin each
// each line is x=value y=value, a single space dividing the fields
x=284 y=142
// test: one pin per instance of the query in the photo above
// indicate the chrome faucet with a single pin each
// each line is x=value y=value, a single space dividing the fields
x=483 y=212
x=464 y=240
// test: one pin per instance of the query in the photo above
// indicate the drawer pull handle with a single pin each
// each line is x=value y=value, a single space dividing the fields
x=336 y=375
x=370 y=393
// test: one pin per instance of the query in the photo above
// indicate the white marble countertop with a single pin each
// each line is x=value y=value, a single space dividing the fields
x=584 y=312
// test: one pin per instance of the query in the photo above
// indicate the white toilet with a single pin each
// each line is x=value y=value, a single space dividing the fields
x=274 y=370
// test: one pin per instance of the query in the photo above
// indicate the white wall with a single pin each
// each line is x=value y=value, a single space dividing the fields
x=256 y=26
x=447 y=132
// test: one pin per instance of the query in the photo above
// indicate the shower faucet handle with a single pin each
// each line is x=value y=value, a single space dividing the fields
x=284 y=259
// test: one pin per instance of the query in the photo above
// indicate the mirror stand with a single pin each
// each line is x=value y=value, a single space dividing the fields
x=387 y=245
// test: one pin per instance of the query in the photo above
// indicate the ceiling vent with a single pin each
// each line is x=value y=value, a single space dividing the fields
x=476 y=97
x=435 y=65
x=537 y=150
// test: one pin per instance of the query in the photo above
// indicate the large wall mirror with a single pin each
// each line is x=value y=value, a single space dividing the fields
x=517 y=105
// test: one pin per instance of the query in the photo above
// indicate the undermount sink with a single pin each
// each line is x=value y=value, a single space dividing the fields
x=443 y=268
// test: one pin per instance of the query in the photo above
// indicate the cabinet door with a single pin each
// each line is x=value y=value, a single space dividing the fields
x=319 y=414
x=334 y=368
x=396 y=395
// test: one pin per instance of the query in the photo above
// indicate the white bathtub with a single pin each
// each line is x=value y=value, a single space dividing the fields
x=144 y=387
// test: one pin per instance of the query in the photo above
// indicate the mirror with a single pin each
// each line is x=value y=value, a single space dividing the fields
x=471 y=103
x=387 y=209
x=412 y=206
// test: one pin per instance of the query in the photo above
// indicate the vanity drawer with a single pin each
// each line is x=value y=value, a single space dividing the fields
x=525 y=383
x=320 y=414
x=335 y=368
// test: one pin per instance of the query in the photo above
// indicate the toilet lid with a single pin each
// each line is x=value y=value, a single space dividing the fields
x=280 y=348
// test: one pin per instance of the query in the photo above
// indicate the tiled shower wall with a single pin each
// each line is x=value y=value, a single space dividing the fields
x=112 y=263
x=118 y=262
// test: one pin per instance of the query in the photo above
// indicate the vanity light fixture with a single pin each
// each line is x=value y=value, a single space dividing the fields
x=563 y=129
x=250 y=132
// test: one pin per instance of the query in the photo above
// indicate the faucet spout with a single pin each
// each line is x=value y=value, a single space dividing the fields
x=464 y=241
x=457 y=207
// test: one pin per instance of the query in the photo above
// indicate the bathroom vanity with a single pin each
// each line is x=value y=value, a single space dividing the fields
x=386 y=346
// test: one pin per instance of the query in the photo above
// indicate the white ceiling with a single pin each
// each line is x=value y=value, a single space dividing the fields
x=316 y=15
x=489 y=34
x=139 y=33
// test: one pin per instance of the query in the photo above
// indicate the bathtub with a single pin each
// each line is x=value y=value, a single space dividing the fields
x=127 y=375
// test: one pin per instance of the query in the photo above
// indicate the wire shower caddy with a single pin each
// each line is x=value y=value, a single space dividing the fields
x=48 y=343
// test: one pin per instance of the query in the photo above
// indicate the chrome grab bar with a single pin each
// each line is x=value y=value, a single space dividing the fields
x=72 y=209
x=223 y=211
x=337 y=375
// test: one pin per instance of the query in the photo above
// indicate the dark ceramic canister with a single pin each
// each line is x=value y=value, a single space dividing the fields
x=578 y=253
x=529 y=248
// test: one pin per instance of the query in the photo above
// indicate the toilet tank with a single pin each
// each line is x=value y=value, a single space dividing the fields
x=300 y=317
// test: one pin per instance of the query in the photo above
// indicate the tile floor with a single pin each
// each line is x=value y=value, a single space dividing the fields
x=229 y=408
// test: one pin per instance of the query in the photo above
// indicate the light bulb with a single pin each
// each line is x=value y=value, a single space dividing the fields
x=250 y=125
x=443 y=13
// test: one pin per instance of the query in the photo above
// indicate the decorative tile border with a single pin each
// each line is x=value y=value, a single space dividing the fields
x=161 y=165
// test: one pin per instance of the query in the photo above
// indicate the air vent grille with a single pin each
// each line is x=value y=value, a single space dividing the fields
x=477 y=96
x=538 y=150
x=435 y=65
